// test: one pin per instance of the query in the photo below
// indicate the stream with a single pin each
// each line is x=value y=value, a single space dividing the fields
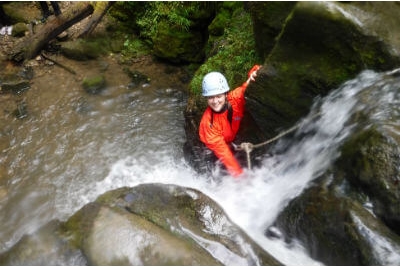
x=73 y=147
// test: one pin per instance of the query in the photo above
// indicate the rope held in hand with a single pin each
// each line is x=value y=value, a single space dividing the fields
x=248 y=147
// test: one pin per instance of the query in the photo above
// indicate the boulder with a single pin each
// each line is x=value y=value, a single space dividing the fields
x=151 y=224
x=337 y=230
x=370 y=160
x=321 y=45
x=19 y=29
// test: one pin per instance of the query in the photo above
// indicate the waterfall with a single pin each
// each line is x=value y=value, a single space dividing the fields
x=141 y=141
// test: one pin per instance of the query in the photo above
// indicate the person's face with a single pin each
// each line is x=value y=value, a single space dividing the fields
x=216 y=102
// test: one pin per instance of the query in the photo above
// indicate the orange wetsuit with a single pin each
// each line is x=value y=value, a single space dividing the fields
x=216 y=132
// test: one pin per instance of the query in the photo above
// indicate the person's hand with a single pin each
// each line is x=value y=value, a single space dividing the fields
x=253 y=73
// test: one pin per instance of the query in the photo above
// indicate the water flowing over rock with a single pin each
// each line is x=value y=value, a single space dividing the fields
x=350 y=214
x=151 y=224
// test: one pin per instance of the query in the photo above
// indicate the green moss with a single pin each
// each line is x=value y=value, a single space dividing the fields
x=135 y=47
x=94 y=85
x=176 y=44
x=233 y=53
x=78 y=226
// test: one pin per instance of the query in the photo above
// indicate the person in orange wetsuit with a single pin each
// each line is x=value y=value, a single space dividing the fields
x=221 y=119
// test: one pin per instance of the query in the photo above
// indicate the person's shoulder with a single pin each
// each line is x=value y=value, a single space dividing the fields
x=206 y=114
x=237 y=92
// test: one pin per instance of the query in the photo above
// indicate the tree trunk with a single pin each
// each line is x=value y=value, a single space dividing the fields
x=31 y=46
x=100 y=10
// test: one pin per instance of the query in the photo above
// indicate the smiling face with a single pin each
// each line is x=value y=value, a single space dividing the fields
x=217 y=102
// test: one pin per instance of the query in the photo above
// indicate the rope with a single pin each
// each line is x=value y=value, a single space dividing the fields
x=248 y=147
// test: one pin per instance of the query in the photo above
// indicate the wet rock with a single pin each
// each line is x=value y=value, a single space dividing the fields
x=370 y=160
x=338 y=231
x=26 y=72
x=44 y=247
x=268 y=20
x=21 y=111
x=14 y=87
x=151 y=224
x=320 y=45
x=94 y=85
x=137 y=78
x=82 y=106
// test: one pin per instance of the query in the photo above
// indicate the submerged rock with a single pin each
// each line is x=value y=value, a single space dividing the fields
x=15 y=87
x=136 y=77
x=94 y=85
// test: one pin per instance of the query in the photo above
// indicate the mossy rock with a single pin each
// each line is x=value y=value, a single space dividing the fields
x=232 y=54
x=318 y=49
x=268 y=20
x=370 y=160
x=84 y=50
x=178 y=45
x=19 y=29
x=94 y=85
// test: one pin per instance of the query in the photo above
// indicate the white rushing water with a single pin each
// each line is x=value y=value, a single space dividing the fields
x=254 y=201
x=140 y=141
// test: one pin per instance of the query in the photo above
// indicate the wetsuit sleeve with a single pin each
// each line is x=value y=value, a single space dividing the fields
x=214 y=140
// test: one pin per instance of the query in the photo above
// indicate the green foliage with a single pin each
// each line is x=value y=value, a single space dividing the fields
x=135 y=47
x=233 y=53
x=128 y=12
x=146 y=19
x=176 y=13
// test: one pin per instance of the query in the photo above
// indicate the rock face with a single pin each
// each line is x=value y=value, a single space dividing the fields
x=151 y=224
x=321 y=45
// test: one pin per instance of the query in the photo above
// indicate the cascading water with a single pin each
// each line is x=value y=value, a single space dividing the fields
x=125 y=138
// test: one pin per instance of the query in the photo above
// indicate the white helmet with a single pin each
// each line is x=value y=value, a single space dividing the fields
x=214 y=83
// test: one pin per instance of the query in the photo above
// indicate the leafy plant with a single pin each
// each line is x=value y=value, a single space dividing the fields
x=177 y=13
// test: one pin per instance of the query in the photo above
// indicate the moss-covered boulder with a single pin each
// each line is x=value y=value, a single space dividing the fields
x=151 y=224
x=321 y=45
x=94 y=84
x=19 y=29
